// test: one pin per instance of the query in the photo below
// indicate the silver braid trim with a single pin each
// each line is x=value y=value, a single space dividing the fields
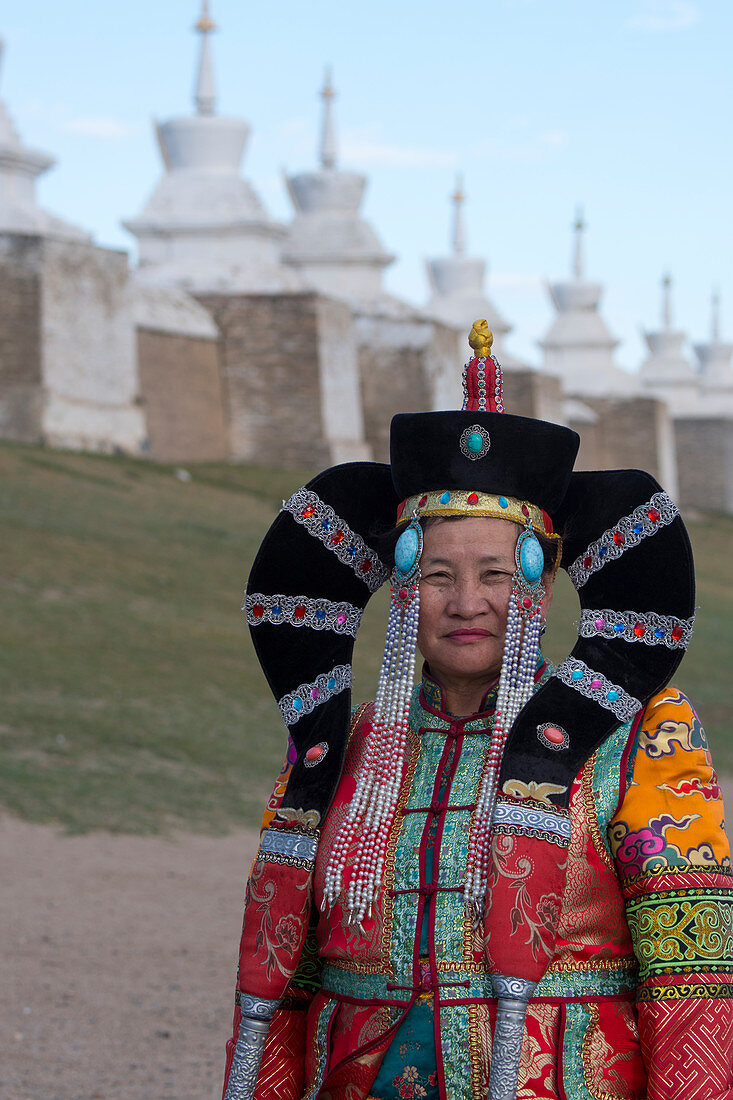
x=325 y=525
x=595 y=686
x=319 y=613
x=296 y=704
x=657 y=629
x=633 y=529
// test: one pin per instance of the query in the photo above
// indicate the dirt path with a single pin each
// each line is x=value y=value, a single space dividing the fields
x=119 y=958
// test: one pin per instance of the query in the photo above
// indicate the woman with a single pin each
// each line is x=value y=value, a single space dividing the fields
x=512 y=878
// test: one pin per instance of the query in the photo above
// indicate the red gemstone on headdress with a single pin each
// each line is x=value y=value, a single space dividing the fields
x=677 y=633
x=554 y=735
x=258 y=611
x=315 y=693
x=525 y=510
x=526 y=602
x=300 y=611
x=639 y=630
x=308 y=512
x=337 y=538
x=422 y=501
x=403 y=594
x=473 y=498
x=654 y=515
x=366 y=565
x=315 y=753
x=587 y=562
x=618 y=538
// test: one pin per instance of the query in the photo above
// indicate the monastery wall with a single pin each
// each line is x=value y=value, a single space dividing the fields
x=529 y=393
x=20 y=339
x=182 y=398
x=89 y=356
x=705 y=464
x=401 y=362
x=629 y=434
x=271 y=377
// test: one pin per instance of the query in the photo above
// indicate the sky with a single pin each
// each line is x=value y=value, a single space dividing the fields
x=543 y=105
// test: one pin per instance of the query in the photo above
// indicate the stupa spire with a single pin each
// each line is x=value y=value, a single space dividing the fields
x=667 y=303
x=715 y=316
x=459 y=229
x=578 y=270
x=328 y=136
x=205 y=94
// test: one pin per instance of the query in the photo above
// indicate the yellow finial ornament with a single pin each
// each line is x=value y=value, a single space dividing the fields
x=480 y=338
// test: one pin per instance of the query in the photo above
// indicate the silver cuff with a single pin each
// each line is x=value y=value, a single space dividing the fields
x=506 y=1047
x=254 y=1025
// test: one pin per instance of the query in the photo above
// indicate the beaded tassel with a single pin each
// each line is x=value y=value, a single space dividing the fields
x=372 y=808
x=516 y=684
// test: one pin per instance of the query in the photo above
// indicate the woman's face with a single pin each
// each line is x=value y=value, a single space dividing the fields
x=467 y=569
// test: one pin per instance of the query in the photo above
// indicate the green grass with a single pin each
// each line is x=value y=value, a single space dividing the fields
x=131 y=698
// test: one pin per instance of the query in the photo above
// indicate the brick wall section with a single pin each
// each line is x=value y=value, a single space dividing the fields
x=20 y=339
x=705 y=464
x=530 y=393
x=271 y=377
x=181 y=396
x=627 y=435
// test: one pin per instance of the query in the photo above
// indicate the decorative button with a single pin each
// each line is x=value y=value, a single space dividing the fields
x=366 y=565
x=639 y=630
x=677 y=633
x=445 y=498
x=503 y=502
x=337 y=537
x=587 y=562
x=308 y=512
x=600 y=623
x=258 y=610
x=475 y=442
x=315 y=694
x=654 y=515
x=576 y=674
x=618 y=538
x=300 y=611
x=331 y=684
x=314 y=754
x=297 y=703
x=472 y=498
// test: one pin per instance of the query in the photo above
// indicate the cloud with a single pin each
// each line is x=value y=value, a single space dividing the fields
x=654 y=16
x=108 y=129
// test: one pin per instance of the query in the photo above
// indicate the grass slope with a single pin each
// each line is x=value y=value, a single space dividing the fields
x=132 y=700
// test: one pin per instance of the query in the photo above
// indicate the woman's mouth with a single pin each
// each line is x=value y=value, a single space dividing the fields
x=468 y=634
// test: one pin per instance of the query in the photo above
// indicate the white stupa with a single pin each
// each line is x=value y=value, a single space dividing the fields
x=666 y=372
x=578 y=346
x=457 y=285
x=19 y=169
x=204 y=228
x=716 y=374
x=330 y=245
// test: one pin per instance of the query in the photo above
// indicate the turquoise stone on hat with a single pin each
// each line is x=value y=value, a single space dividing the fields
x=612 y=696
x=503 y=502
x=406 y=551
x=531 y=559
x=445 y=498
x=297 y=704
x=576 y=674
x=475 y=442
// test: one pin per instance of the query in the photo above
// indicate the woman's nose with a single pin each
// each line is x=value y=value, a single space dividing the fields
x=467 y=600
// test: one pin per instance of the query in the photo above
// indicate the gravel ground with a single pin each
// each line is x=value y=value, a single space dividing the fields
x=119 y=960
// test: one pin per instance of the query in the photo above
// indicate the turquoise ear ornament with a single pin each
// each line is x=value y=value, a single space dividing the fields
x=372 y=808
